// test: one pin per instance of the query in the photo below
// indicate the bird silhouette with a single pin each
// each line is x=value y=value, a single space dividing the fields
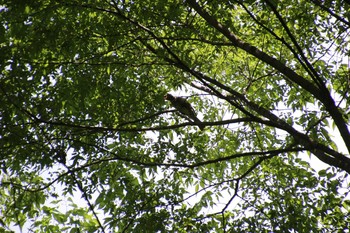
x=184 y=107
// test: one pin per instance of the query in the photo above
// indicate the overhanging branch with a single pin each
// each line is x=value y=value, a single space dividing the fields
x=321 y=94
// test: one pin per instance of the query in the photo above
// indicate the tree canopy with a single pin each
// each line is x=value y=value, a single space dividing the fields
x=88 y=143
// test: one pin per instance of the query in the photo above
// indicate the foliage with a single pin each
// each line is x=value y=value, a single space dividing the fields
x=88 y=144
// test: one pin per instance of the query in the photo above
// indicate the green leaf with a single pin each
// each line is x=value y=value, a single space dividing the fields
x=89 y=144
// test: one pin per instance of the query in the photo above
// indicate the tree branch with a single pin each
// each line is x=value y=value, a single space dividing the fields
x=306 y=64
x=321 y=94
x=318 y=3
x=85 y=195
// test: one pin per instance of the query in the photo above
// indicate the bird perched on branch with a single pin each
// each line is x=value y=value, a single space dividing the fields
x=184 y=107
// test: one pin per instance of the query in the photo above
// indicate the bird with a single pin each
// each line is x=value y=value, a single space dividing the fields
x=184 y=107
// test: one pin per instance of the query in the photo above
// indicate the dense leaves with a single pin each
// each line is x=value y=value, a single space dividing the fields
x=88 y=144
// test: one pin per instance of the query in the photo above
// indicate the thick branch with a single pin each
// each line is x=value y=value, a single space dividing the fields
x=294 y=77
x=321 y=94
